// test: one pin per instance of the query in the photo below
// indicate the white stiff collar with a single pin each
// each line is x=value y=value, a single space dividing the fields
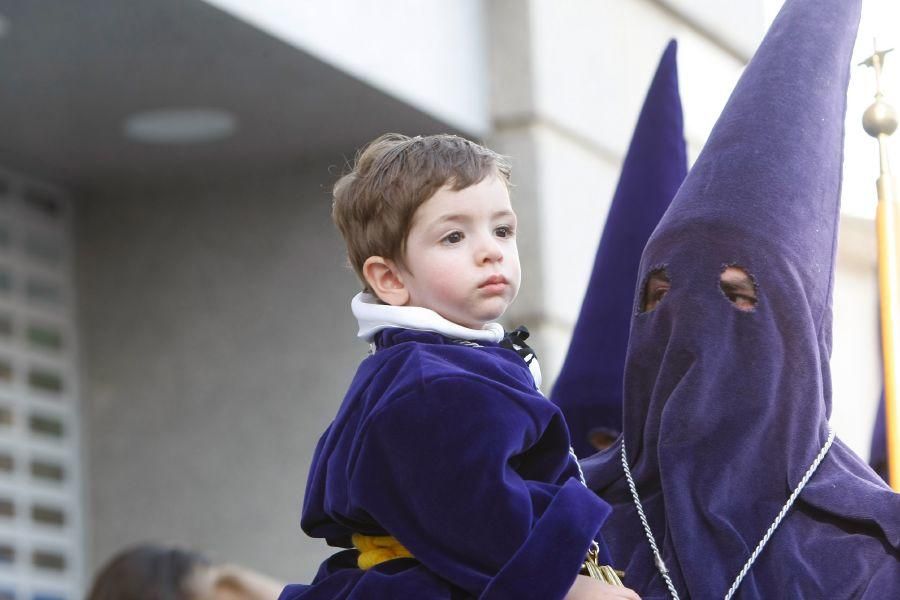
x=373 y=316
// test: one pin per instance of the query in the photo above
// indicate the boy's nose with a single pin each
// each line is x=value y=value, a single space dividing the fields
x=489 y=251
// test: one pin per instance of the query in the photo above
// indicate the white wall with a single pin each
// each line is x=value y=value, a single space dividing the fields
x=739 y=24
x=593 y=62
x=430 y=54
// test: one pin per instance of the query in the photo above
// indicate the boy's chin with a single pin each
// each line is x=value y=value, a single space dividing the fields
x=478 y=317
x=489 y=316
x=475 y=321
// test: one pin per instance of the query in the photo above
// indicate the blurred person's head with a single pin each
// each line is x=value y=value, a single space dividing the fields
x=151 y=572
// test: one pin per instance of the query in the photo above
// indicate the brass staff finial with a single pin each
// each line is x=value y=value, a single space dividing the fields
x=880 y=119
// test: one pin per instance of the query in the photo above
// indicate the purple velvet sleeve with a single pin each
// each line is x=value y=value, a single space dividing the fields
x=439 y=469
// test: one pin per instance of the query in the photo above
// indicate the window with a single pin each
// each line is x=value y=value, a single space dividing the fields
x=45 y=381
x=43 y=337
x=47 y=471
x=49 y=560
x=41 y=544
x=47 y=426
x=43 y=292
x=43 y=250
x=48 y=515
x=42 y=203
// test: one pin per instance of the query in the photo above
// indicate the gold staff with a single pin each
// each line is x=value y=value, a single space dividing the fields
x=880 y=121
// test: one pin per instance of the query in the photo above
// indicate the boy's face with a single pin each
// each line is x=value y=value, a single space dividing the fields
x=461 y=255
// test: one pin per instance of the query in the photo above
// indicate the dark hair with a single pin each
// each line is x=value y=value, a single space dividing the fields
x=374 y=203
x=147 y=572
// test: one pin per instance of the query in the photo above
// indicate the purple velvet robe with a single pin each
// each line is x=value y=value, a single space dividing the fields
x=450 y=449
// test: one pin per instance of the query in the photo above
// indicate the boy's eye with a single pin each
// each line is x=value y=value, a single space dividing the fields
x=504 y=231
x=453 y=238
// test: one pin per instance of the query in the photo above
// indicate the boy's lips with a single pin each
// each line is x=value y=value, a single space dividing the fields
x=493 y=281
x=495 y=284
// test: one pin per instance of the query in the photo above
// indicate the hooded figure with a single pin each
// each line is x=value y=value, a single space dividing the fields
x=727 y=383
x=589 y=387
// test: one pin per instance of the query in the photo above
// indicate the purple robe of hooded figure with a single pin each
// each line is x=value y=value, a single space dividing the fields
x=589 y=387
x=878 y=450
x=726 y=409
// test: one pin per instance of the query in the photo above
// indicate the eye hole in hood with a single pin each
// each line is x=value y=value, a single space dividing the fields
x=656 y=286
x=739 y=287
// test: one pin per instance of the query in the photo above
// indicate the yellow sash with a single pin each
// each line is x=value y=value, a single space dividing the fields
x=376 y=549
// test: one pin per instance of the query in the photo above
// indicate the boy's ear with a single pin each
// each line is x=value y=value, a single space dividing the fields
x=385 y=280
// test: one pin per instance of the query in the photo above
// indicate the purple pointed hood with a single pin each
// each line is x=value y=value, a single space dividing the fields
x=589 y=386
x=726 y=409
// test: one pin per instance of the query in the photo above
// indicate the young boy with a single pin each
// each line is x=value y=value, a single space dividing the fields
x=445 y=467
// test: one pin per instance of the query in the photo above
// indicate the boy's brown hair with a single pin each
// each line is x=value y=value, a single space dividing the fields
x=375 y=202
